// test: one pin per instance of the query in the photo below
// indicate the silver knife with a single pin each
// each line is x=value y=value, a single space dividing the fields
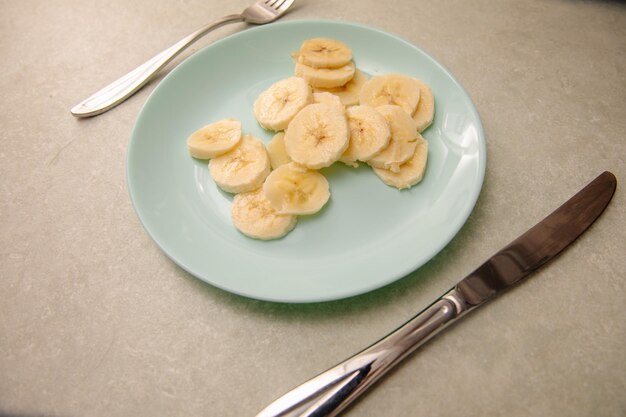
x=332 y=391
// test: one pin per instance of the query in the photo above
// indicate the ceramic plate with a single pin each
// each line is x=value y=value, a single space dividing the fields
x=367 y=236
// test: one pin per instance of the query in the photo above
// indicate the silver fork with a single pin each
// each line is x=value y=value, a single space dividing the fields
x=261 y=12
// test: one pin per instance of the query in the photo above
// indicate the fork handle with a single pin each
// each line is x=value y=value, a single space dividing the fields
x=119 y=90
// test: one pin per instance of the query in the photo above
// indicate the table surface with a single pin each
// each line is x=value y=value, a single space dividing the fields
x=96 y=321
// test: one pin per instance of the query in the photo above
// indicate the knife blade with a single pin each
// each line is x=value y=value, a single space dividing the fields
x=327 y=394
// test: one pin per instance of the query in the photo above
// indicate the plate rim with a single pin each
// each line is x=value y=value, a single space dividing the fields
x=344 y=294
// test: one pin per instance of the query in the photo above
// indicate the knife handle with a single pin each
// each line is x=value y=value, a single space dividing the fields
x=327 y=394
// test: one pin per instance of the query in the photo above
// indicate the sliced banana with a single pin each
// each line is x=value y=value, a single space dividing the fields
x=317 y=136
x=395 y=89
x=329 y=111
x=253 y=215
x=294 y=189
x=425 y=111
x=277 y=152
x=348 y=93
x=330 y=99
x=403 y=139
x=214 y=139
x=276 y=106
x=324 y=53
x=325 y=77
x=369 y=134
x=242 y=169
x=411 y=172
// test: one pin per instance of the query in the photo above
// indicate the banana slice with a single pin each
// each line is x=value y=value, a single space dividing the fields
x=369 y=134
x=323 y=53
x=411 y=172
x=403 y=139
x=214 y=139
x=348 y=93
x=277 y=152
x=317 y=136
x=276 y=106
x=325 y=77
x=425 y=111
x=294 y=189
x=395 y=89
x=330 y=99
x=242 y=169
x=253 y=215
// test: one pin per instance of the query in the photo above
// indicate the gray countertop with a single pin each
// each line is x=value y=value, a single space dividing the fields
x=96 y=321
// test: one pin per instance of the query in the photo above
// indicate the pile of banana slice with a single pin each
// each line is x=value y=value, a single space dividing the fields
x=328 y=112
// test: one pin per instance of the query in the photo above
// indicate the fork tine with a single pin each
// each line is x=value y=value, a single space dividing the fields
x=270 y=3
x=285 y=5
x=277 y=4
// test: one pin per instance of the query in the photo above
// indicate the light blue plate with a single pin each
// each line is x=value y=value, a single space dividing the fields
x=369 y=234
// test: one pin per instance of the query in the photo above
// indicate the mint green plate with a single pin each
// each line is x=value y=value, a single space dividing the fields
x=367 y=236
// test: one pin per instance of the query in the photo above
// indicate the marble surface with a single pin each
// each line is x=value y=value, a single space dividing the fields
x=96 y=321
